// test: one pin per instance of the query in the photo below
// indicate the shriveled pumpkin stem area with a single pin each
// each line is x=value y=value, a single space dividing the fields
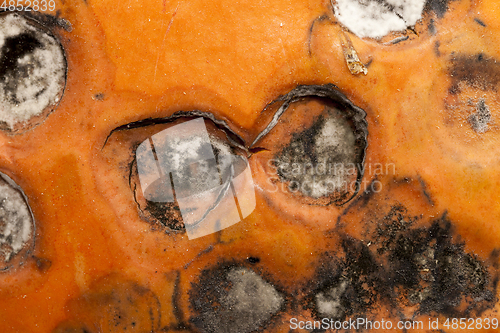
x=235 y=166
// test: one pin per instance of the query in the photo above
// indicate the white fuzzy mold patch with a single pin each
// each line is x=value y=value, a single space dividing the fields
x=377 y=18
x=16 y=222
x=32 y=70
x=251 y=295
x=329 y=302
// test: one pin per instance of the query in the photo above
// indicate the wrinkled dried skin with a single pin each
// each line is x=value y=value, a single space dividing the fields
x=418 y=239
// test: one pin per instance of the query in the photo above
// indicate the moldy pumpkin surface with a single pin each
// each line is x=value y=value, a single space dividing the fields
x=225 y=166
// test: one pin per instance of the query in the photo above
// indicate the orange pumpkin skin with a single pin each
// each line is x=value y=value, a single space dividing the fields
x=98 y=266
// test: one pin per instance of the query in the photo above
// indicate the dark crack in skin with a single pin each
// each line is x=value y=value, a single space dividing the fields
x=401 y=265
x=235 y=299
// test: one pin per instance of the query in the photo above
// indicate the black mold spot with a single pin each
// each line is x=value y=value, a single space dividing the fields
x=432 y=27
x=158 y=203
x=32 y=73
x=440 y=7
x=402 y=265
x=478 y=21
x=477 y=71
x=168 y=213
x=253 y=260
x=234 y=299
x=436 y=49
x=99 y=97
x=431 y=266
x=14 y=49
x=337 y=103
x=347 y=287
x=42 y=264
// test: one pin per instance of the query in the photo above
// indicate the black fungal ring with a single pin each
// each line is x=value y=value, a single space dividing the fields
x=331 y=92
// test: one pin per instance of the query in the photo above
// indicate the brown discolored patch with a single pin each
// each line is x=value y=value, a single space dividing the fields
x=42 y=264
x=113 y=305
x=478 y=71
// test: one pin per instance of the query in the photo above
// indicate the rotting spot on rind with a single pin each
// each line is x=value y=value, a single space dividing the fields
x=481 y=118
x=335 y=143
x=404 y=266
x=329 y=142
x=185 y=166
x=377 y=18
x=32 y=71
x=16 y=224
x=478 y=71
x=429 y=267
x=233 y=299
x=346 y=286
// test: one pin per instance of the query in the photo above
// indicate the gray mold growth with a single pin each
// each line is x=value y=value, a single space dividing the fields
x=481 y=118
x=329 y=302
x=233 y=299
x=322 y=159
x=32 y=70
x=16 y=223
